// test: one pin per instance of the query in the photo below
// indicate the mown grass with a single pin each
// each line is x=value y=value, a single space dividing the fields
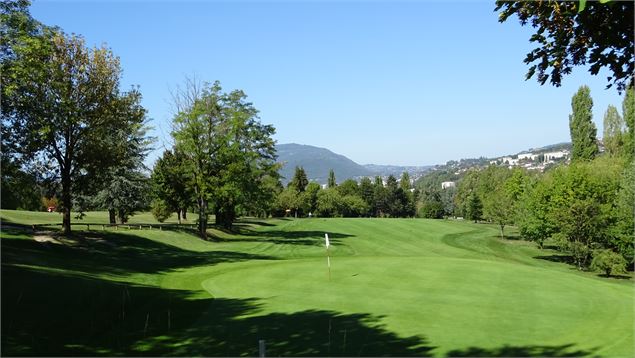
x=402 y=287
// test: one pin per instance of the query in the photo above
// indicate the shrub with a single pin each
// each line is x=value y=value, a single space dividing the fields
x=160 y=210
x=608 y=261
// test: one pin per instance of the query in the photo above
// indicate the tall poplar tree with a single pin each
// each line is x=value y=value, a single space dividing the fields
x=581 y=126
x=331 y=181
x=613 y=137
x=628 y=111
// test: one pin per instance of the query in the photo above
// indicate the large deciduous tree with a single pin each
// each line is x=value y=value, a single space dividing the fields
x=62 y=103
x=583 y=132
x=600 y=35
x=229 y=153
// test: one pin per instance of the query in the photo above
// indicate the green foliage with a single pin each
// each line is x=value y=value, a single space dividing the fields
x=63 y=107
x=366 y=192
x=609 y=262
x=581 y=126
x=567 y=37
x=299 y=181
x=352 y=206
x=229 y=154
x=432 y=206
x=20 y=189
x=474 y=208
x=329 y=203
x=613 y=137
x=171 y=182
x=623 y=224
x=331 y=181
x=161 y=210
x=348 y=187
x=125 y=194
x=310 y=197
x=404 y=182
x=628 y=112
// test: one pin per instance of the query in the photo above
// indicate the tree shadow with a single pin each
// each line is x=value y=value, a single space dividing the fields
x=112 y=252
x=565 y=350
x=567 y=259
x=299 y=237
x=47 y=313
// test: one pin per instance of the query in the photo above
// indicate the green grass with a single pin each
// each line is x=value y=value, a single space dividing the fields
x=91 y=217
x=404 y=287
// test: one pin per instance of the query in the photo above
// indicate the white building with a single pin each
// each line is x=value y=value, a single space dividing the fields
x=448 y=184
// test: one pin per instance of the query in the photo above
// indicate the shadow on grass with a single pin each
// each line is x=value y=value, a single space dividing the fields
x=111 y=252
x=242 y=233
x=567 y=259
x=50 y=314
x=565 y=350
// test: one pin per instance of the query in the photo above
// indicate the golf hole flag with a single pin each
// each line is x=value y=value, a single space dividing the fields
x=328 y=256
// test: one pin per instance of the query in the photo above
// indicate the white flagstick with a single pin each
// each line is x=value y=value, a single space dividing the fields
x=328 y=256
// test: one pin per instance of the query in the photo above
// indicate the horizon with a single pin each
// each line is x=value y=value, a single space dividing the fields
x=399 y=83
x=435 y=164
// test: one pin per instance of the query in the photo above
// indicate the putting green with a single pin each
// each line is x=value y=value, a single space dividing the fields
x=446 y=289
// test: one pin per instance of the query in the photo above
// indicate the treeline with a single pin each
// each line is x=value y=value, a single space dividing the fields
x=585 y=209
x=346 y=199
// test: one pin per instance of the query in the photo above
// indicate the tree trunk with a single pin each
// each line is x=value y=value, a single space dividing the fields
x=202 y=218
x=184 y=213
x=67 y=203
x=502 y=233
x=111 y=215
x=178 y=215
x=225 y=217
x=122 y=217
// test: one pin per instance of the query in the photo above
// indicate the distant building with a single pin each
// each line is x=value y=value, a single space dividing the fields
x=448 y=184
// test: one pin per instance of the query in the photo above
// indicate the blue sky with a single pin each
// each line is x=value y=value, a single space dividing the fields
x=405 y=83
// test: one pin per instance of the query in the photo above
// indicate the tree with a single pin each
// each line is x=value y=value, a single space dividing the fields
x=613 y=137
x=609 y=262
x=499 y=208
x=125 y=194
x=432 y=206
x=348 y=187
x=331 y=181
x=171 y=183
x=580 y=206
x=62 y=101
x=567 y=35
x=228 y=152
x=474 y=209
x=628 y=112
x=534 y=221
x=329 y=203
x=310 y=196
x=352 y=206
x=623 y=225
x=299 y=181
x=160 y=210
x=404 y=183
x=380 y=198
x=583 y=131
x=366 y=193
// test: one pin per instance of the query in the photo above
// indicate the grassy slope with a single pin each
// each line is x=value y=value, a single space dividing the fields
x=400 y=287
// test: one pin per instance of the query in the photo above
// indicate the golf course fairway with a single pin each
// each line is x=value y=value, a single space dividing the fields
x=404 y=287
